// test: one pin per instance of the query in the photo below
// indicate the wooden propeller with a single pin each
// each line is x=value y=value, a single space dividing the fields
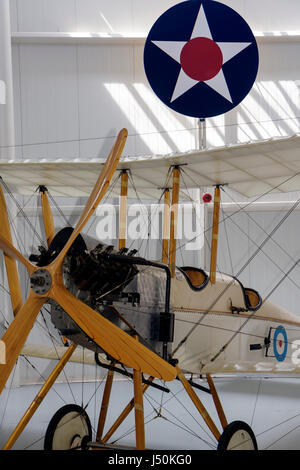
x=112 y=339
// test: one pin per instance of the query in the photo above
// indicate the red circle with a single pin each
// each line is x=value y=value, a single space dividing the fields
x=201 y=59
x=207 y=197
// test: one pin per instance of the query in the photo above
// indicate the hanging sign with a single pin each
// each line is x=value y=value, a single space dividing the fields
x=201 y=58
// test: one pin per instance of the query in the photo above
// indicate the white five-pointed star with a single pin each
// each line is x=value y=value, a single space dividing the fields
x=201 y=30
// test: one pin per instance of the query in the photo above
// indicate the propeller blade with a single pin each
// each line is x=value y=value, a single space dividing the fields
x=12 y=252
x=16 y=334
x=99 y=190
x=111 y=338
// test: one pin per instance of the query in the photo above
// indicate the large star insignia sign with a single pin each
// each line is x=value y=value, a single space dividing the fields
x=201 y=58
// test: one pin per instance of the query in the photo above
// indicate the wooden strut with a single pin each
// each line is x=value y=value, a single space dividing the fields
x=136 y=403
x=217 y=402
x=124 y=414
x=49 y=227
x=198 y=404
x=215 y=235
x=39 y=397
x=139 y=409
x=123 y=210
x=105 y=403
x=166 y=227
x=174 y=219
x=10 y=263
x=47 y=215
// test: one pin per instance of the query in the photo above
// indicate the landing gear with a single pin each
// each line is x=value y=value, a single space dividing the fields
x=237 y=436
x=70 y=428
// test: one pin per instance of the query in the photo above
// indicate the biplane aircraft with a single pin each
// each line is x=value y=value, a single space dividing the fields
x=98 y=294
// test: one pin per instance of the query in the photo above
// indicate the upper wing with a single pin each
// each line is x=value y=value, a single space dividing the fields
x=250 y=169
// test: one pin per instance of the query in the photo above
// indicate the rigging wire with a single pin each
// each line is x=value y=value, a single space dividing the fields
x=259 y=226
x=252 y=314
x=239 y=272
x=21 y=211
x=297 y=262
x=247 y=205
x=264 y=253
x=58 y=208
x=227 y=240
x=133 y=134
x=183 y=425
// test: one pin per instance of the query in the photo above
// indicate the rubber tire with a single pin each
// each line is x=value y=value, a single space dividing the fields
x=52 y=426
x=230 y=430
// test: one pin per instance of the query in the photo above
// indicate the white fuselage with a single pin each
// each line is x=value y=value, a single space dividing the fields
x=208 y=321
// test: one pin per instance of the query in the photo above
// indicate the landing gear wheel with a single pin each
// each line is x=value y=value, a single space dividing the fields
x=69 y=428
x=237 y=436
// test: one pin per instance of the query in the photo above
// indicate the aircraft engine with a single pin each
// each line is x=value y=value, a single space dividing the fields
x=131 y=292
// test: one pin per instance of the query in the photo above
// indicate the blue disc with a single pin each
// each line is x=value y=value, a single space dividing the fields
x=201 y=58
x=280 y=356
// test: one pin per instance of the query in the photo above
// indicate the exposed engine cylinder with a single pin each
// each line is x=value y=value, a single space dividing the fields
x=129 y=292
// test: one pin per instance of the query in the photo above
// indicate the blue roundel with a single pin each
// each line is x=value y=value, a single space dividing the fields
x=201 y=58
x=280 y=343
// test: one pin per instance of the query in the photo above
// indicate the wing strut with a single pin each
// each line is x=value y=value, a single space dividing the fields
x=10 y=263
x=47 y=283
x=166 y=227
x=47 y=215
x=174 y=219
x=123 y=210
x=215 y=235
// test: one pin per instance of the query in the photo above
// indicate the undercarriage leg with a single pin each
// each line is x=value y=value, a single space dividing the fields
x=198 y=404
x=217 y=402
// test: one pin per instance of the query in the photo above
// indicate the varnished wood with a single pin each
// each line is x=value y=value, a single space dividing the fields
x=124 y=414
x=16 y=334
x=39 y=397
x=166 y=227
x=98 y=191
x=47 y=216
x=9 y=250
x=123 y=210
x=108 y=336
x=139 y=409
x=198 y=404
x=104 y=404
x=250 y=314
x=174 y=219
x=10 y=263
x=111 y=338
x=2 y=352
x=215 y=235
x=217 y=402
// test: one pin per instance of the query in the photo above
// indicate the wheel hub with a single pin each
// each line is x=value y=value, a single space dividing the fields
x=41 y=281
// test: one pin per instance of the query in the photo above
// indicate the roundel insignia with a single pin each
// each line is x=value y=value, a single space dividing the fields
x=201 y=58
x=280 y=343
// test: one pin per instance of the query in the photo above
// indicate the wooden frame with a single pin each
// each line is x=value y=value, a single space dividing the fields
x=10 y=263
x=114 y=341
x=123 y=210
x=166 y=227
x=174 y=219
x=215 y=235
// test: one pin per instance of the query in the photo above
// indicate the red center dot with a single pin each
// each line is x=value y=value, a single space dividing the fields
x=201 y=59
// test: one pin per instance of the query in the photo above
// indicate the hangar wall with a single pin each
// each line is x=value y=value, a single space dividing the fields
x=71 y=96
